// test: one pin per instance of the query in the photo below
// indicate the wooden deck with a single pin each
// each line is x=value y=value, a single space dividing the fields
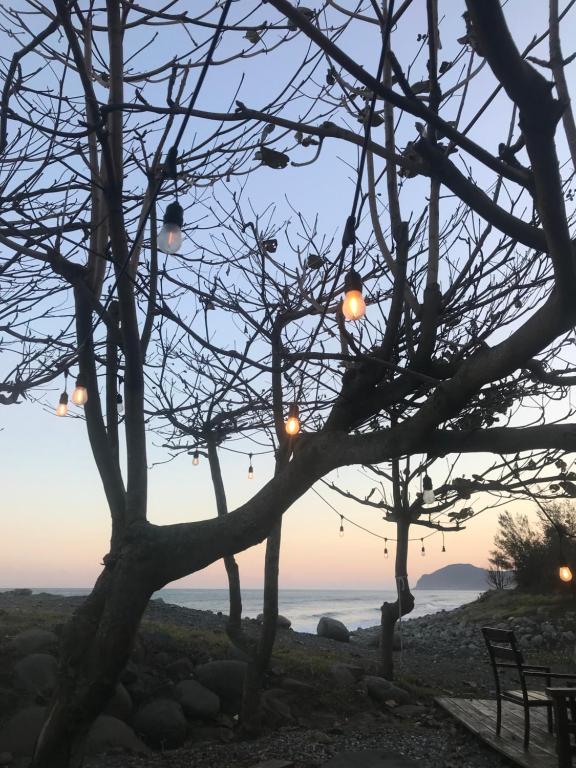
x=479 y=716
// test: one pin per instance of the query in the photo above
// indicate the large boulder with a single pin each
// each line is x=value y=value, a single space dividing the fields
x=383 y=691
x=281 y=621
x=120 y=705
x=196 y=700
x=346 y=675
x=34 y=641
x=36 y=674
x=162 y=724
x=19 y=734
x=333 y=629
x=226 y=680
x=109 y=733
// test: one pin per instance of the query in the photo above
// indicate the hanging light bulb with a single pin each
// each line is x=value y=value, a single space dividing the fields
x=250 y=468
x=428 y=496
x=80 y=393
x=423 y=548
x=170 y=236
x=195 y=458
x=341 y=526
x=62 y=407
x=353 y=306
x=292 y=425
x=443 y=545
x=565 y=573
x=119 y=403
x=386 y=548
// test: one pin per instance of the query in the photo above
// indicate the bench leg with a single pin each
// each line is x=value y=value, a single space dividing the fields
x=526 y=727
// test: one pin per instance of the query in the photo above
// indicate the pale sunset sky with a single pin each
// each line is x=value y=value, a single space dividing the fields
x=55 y=523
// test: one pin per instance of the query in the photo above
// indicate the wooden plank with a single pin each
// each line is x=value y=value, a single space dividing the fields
x=479 y=717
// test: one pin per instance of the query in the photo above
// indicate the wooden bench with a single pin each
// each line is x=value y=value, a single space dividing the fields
x=564 y=703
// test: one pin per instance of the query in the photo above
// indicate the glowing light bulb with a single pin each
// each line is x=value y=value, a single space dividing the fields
x=62 y=407
x=195 y=459
x=250 y=468
x=341 y=532
x=170 y=236
x=353 y=306
x=292 y=424
x=565 y=573
x=428 y=496
x=119 y=403
x=80 y=393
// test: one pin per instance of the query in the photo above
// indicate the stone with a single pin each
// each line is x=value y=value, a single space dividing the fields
x=333 y=629
x=196 y=700
x=383 y=691
x=8 y=700
x=569 y=636
x=181 y=669
x=346 y=675
x=36 y=674
x=162 y=724
x=19 y=734
x=274 y=763
x=34 y=641
x=281 y=622
x=120 y=705
x=225 y=679
x=297 y=686
x=109 y=733
x=6 y=758
x=370 y=758
x=537 y=641
x=275 y=709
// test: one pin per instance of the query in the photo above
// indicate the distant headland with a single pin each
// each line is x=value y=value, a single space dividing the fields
x=456 y=576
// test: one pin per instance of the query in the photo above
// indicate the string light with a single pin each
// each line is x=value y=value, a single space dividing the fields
x=565 y=573
x=170 y=236
x=341 y=526
x=292 y=425
x=443 y=545
x=119 y=403
x=250 y=468
x=353 y=306
x=62 y=407
x=423 y=548
x=195 y=458
x=428 y=496
x=80 y=393
x=386 y=548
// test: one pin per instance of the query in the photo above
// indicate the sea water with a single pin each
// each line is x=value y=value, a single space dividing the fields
x=304 y=607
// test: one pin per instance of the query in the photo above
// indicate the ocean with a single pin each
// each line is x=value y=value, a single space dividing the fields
x=305 y=607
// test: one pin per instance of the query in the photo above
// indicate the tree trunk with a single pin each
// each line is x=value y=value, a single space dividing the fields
x=403 y=605
x=95 y=648
x=251 y=715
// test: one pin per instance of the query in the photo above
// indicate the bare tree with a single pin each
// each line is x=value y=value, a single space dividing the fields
x=469 y=292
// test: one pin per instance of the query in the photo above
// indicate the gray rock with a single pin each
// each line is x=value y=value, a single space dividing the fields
x=333 y=629
x=196 y=700
x=568 y=636
x=383 y=691
x=110 y=733
x=537 y=641
x=162 y=724
x=6 y=758
x=297 y=686
x=226 y=680
x=274 y=763
x=19 y=734
x=275 y=708
x=34 y=641
x=281 y=622
x=36 y=674
x=346 y=675
x=120 y=705
x=548 y=630
x=181 y=669
x=377 y=758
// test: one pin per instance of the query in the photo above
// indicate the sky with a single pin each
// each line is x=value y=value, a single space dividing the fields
x=55 y=526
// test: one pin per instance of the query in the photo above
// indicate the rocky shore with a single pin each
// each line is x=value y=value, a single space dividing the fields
x=178 y=700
